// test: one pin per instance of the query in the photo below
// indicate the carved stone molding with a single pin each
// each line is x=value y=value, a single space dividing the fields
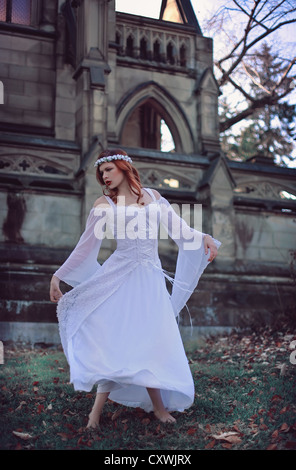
x=263 y=190
x=158 y=178
x=33 y=165
x=161 y=44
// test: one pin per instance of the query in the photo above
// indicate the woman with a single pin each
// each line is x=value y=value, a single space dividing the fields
x=118 y=324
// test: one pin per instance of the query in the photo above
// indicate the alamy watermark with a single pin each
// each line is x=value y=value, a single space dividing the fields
x=157 y=220
x=1 y=353
x=293 y=353
x=1 y=92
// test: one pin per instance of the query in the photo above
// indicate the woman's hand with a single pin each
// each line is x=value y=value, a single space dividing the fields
x=209 y=244
x=55 y=292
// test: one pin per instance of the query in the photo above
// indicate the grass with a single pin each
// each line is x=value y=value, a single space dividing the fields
x=243 y=402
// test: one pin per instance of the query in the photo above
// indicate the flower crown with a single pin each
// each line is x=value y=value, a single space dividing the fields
x=113 y=157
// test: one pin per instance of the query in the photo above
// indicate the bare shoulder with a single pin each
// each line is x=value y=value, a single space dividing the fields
x=156 y=194
x=100 y=201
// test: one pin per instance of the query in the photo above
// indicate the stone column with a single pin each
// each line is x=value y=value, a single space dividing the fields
x=91 y=77
x=220 y=183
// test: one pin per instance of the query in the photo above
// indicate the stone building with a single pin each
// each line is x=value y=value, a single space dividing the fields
x=79 y=77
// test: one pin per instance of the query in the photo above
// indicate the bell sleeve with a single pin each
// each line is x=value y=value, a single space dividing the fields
x=191 y=259
x=82 y=262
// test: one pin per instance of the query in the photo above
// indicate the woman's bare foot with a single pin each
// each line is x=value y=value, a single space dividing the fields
x=93 y=421
x=94 y=415
x=164 y=416
x=159 y=410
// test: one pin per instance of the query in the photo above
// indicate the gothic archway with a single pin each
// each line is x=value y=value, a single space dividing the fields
x=140 y=114
x=145 y=128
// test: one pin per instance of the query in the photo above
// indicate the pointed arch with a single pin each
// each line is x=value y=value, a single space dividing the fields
x=166 y=106
x=183 y=55
x=130 y=45
x=156 y=50
x=171 y=53
x=144 y=48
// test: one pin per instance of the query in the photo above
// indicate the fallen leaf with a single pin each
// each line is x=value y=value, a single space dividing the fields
x=276 y=398
x=262 y=425
x=283 y=410
x=40 y=408
x=191 y=431
x=283 y=370
x=211 y=444
x=275 y=435
x=22 y=403
x=64 y=436
x=231 y=437
x=227 y=445
x=22 y=435
x=284 y=427
x=145 y=421
x=272 y=447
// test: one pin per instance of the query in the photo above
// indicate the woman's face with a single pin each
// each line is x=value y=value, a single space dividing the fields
x=111 y=175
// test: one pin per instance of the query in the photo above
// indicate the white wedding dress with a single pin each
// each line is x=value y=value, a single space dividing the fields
x=118 y=324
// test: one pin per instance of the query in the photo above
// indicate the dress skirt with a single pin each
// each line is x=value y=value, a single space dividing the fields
x=130 y=342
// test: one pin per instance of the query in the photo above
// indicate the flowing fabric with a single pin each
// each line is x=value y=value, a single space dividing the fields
x=118 y=324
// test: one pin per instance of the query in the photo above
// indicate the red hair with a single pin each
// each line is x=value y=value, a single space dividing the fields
x=130 y=172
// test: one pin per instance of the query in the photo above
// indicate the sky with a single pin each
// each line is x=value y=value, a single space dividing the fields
x=151 y=8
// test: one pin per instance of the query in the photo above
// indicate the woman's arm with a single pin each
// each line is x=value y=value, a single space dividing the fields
x=192 y=257
x=82 y=262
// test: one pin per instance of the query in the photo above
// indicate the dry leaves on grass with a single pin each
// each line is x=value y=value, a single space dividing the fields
x=264 y=348
x=226 y=438
x=230 y=437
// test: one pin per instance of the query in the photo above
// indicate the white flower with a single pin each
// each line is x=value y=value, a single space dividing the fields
x=113 y=157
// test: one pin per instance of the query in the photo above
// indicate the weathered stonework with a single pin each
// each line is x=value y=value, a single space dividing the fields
x=82 y=77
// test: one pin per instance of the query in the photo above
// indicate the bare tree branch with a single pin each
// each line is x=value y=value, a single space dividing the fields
x=261 y=20
x=254 y=22
x=285 y=74
x=256 y=104
x=234 y=65
x=238 y=87
x=256 y=82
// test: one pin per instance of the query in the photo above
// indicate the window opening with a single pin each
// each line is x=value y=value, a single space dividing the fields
x=15 y=11
x=170 y=54
x=183 y=56
x=167 y=143
x=156 y=51
x=130 y=46
x=143 y=49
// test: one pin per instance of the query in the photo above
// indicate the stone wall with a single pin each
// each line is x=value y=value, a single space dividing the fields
x=27 y=68
x=71 y=83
